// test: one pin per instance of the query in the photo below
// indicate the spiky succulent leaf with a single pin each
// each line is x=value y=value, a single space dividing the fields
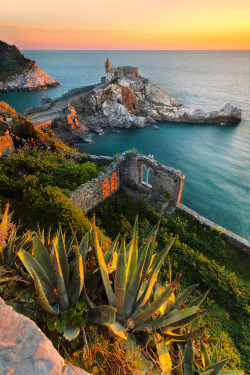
x=76 y=283
x=180 y=299
x=204 y=355
x=102 y=315
x=62 y=293
x=42 y=297
x=132 y=255
x=111 y=250
x=117 y=330
x=59 y=247
x=153 y=275
x=132 y=292
x=42 y=256
x=151 y=309
x=120 y=281
x=69 y=243
x=170 y=319
x=164 y=357
x=83 y=248
x=198 y=301
x=103 y=270
x=188 y=358
x=32 y=265
x=217 y=367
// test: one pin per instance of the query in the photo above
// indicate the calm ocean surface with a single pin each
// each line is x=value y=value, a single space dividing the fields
x=215 y=159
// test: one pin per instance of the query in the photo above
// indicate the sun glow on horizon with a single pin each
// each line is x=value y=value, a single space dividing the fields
x=141 y=25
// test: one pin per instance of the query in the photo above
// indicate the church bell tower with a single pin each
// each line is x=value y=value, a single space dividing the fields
x=107 y=65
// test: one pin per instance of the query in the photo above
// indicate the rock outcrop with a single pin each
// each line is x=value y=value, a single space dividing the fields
x=125 y=102
x=24 y=349
x=18 y=73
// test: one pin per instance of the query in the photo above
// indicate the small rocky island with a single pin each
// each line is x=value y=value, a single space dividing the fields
x=123 y=99
x=17 y=73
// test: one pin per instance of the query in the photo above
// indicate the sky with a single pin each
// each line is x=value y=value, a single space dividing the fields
x=127 y=24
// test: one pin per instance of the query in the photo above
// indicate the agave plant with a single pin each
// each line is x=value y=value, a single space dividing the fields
x=136 y=299
x=59 y=283
x=211 y=363
x=10 y=243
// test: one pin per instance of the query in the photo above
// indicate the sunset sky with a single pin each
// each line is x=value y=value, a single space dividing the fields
x=128 y=24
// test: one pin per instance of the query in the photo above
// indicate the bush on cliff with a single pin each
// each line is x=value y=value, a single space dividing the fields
x=47 y=207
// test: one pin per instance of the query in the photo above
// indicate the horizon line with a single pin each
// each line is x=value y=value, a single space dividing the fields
x=56 y=49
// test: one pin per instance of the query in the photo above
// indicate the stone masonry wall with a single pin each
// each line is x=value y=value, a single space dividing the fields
x=6 y=146
x=125 y=171
x=93 y=192
x=165 y=178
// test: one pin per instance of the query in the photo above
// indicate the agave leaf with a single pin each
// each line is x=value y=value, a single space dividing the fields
x=83 y=248
x=42 y=297
x=69 y=243
x=134 y=287
x=204 y=355
x=71 y=332
x=25 y=238
x=103 y=270
x=188 y=358
x=186 y=320
x=198 y=301
x=62 y=294
x=232 y=372
x=182 y=337
x=90 y=304
x=111 y=250
x=164 y=357
x=32 y=265
x=182 y=297
x=153 y=275
x=76 y=283
x=117 y=330
x=214 y=356
x=219 y=348
x=42 y=256
x=59 y=248
x=120 y=281
x=206 y=372
x=102 y=315
x=169 y=320
x=151 y=309
x=217 y=367
x=132 y=255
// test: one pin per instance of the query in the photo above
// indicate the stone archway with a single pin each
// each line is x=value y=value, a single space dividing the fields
x=146 y=175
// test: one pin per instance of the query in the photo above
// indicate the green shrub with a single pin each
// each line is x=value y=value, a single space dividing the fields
x=47 y=207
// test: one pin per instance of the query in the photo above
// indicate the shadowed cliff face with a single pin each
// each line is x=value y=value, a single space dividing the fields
x=17 y=73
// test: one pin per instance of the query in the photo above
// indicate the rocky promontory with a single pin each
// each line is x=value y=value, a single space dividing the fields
x=17 y=73
x=122 y=103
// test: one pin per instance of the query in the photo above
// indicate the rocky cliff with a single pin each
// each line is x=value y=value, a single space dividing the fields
x=127 y=102
x=18 y=73
x=122 y=103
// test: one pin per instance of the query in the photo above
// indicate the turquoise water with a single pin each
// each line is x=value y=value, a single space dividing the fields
x=215 y=159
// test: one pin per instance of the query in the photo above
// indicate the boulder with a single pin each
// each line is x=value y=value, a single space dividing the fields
x=25 y=350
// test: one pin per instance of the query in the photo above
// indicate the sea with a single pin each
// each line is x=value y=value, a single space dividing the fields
x=214 y=158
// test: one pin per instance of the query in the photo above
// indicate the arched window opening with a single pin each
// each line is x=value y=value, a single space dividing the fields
x=143 y=174
x=150 y=177
x=146 y=176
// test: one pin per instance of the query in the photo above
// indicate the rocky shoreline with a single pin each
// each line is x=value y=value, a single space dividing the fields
x=121 y=103
x=17 y=73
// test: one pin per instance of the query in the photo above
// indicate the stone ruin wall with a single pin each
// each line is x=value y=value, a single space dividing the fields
x=93 y=192
x=123 y=172
x=6 y=146
x=165 y=178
